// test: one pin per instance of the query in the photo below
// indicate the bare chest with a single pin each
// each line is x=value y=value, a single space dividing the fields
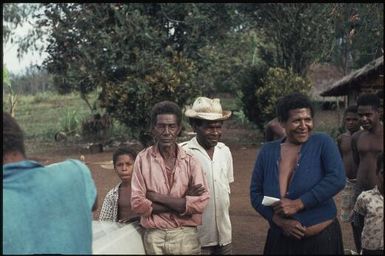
x=288 y=162
x=124 y=199
x=346 y=145
x=370 y=144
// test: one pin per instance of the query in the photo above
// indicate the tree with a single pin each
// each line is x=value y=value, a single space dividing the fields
x=32 y=81
x=137 y=54
x=359 y=34
x=292 y=36
x=16 y=15
x=12 y=95
x=298 y=32
x=278 y=82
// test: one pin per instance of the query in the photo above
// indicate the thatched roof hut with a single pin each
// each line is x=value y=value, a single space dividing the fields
x=368 y=79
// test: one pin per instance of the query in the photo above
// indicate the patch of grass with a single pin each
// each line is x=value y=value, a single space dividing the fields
x=40 y=115
x=70 y=122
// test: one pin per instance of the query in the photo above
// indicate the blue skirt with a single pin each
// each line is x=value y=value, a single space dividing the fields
x=328 y=241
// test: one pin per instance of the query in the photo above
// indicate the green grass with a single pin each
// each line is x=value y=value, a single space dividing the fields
x=40 y=115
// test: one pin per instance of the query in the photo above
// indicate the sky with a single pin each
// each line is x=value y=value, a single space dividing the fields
x=14 y=65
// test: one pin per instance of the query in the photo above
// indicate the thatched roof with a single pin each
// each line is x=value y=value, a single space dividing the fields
x=321 y=76
x=352 y=81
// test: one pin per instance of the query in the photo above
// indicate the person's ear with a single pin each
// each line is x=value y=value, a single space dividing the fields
x=179 y=130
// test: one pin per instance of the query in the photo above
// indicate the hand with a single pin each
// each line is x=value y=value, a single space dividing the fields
x=195 y=190
x=286 y=207
x=151 y=195
x=129 y=219
x=290 y=227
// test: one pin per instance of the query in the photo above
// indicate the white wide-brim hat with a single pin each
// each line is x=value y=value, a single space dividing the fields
x=207 y=109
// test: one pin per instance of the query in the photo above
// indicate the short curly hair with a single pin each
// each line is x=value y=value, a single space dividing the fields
x=166 y=107
x=13 y=137
x=292 y=101
x=351 y=109
x=123 y=151
x=369 y=99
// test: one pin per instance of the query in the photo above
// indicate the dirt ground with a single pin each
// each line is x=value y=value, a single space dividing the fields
x=249 y=228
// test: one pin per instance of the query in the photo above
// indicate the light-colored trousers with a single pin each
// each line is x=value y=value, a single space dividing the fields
x=347 y=201
x=182 y=240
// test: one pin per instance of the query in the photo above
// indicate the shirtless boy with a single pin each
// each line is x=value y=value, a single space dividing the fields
x=366 y=145
x=116 y=205
x=351 y=125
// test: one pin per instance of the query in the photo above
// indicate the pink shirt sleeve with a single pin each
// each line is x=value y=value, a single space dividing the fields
x=139 y=203
x=196 y=204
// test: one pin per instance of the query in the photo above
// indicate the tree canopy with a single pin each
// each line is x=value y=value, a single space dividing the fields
x=136 y=54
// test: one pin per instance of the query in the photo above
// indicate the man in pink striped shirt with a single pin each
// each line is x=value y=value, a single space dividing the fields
x=169 y=189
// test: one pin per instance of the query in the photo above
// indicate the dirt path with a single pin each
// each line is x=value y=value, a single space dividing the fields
x=249 y=228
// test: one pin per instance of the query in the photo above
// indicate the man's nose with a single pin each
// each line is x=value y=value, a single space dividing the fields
x=166 y=130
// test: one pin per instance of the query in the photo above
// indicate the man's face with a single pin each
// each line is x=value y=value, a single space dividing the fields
x=298 y=126
x=166 y=130
x=368 y=117
x=351 y=122
x=209 y=133
x=123 y=167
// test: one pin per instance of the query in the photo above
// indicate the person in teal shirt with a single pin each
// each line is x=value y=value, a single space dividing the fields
x=46 y=209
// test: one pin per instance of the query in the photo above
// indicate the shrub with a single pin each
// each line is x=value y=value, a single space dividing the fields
x=70 y=122
x=276 y=83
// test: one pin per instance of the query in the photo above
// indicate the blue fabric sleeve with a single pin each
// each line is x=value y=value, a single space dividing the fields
x=256 y=189
x=334 y=175
x=88 y=182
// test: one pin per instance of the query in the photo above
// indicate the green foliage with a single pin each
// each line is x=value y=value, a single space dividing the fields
x=225 y=62
x=294 y=34
x=12 y=96
x=40 y=115
x=6 y=80
x=252 y=80
x=241 y=117
x=14 y=15
x=136 y=54
x=70 y=122
x=277 y=83
x=359 y=34
x=130 y=101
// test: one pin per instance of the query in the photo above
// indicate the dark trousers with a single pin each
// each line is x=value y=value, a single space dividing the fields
x=357 y=226
x=217 y=250
x=372 y=252
x=328 y=241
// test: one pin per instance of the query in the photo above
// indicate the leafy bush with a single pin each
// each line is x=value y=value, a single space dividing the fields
x=260 y=103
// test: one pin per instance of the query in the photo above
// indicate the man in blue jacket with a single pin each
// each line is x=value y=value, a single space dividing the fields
x=304 y=170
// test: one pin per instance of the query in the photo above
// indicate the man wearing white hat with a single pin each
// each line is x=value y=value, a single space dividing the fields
x=206 y=118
